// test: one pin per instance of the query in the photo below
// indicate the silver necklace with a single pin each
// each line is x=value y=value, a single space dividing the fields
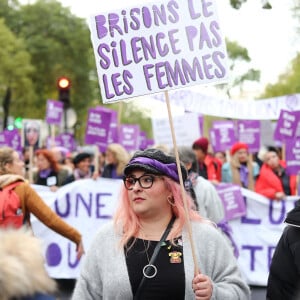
x=149 y=270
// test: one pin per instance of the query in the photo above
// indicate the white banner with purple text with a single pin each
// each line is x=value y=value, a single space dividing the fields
x=88 y=204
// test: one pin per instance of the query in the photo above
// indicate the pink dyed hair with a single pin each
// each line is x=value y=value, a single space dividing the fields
x=126 y=218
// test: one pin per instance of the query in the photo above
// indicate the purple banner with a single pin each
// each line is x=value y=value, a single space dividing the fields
x=233 y=201
x=248 y=132
x=286 y=125
x=129 y=136
x=292 y=155
x=54 y=112
x=222 y=135
x=97 y=128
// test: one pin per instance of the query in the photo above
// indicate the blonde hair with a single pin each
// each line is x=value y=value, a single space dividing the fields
x=129 y=221
x=6 y=157
x=121 y=155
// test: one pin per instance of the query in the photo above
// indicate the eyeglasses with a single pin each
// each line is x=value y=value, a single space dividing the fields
x=145 y=181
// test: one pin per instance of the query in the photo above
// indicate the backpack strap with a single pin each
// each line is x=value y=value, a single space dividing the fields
x=12 y=186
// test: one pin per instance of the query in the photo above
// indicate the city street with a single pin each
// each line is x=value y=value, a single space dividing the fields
x=66 y=288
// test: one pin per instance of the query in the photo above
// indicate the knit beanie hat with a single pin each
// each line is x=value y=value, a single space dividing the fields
x=238 y=146
x=80 y=157
x=155 y=161
x=201 y=143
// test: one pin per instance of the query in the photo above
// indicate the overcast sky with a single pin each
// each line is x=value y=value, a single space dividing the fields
x=269 y=35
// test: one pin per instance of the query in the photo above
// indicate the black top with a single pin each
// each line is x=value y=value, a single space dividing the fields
x=284 y=276
x=285 y=181
x=202 y=170
x=169 y=282
x=50 y=180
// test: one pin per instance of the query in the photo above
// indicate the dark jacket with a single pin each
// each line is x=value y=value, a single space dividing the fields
x=284 y=276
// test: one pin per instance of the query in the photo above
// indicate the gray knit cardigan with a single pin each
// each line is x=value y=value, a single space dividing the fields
x=104 y=272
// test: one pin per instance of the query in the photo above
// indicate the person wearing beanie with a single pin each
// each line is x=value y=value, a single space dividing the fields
x=284 y=279
x=145 y=252
x=82 y=167
x=273 y=181
x=209 y=166
x=241 y=169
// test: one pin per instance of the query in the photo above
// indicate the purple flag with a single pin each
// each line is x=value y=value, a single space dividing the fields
x=233 y=201
x=54 y=112
x=129 y=136
x=249 y=133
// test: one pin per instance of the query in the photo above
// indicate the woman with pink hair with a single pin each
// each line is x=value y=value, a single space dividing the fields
x=145 y=253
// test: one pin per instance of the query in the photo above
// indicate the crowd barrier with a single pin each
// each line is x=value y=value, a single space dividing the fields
x=87 y=205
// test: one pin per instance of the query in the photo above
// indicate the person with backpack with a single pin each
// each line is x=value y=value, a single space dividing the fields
x=18 y=200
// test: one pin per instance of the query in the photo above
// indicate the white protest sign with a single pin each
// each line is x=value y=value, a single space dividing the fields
x=153 y=47
x=187 y=130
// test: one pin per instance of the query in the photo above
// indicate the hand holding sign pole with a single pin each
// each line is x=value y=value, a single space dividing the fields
x=155 y=47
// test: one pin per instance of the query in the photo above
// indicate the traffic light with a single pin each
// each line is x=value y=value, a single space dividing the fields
x=63 y=85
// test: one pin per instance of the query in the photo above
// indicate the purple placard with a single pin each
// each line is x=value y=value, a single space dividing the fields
x=97 y=128
x=248 y=132
x=150 y=143
x=286 y=125
x=66 y=140
x=54 y=112
x=129 y=136
x=113 y=127
x=3 y=142
x=143 y=140
x=13 y=139
x=201 y=122
x=233 y=201
x=222 y=135
x=292 y=155
x=297 y=130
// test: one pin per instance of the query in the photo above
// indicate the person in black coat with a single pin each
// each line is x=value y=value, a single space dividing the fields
x=284 y=276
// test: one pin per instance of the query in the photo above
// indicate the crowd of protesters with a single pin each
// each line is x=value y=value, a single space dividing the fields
x=264 y=173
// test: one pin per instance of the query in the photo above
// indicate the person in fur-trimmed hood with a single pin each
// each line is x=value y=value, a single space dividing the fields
x=22 y=271
x=284 y=276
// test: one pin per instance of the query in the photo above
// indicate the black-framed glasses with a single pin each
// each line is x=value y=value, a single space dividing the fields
x=145 y=181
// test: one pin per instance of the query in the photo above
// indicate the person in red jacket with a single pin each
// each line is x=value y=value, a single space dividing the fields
x=209 y=167
x=273 y=181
